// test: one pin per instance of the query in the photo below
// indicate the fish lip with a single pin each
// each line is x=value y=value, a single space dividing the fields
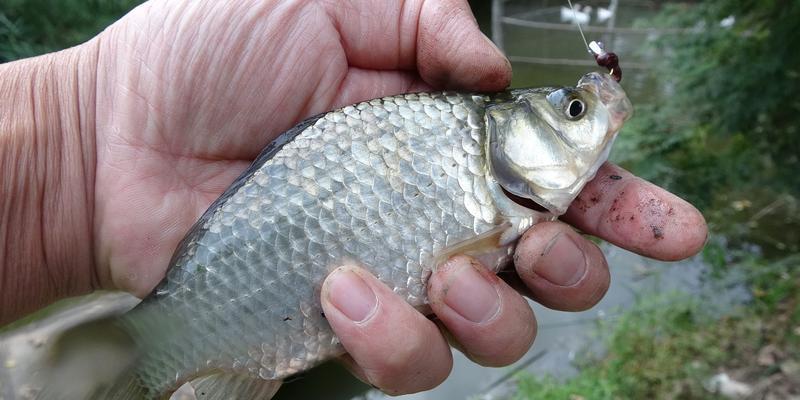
x=612 y=95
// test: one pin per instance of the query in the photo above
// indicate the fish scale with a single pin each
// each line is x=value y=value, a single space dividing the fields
x=324 y=199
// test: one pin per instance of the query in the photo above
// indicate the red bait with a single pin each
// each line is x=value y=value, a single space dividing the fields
x=606 y=59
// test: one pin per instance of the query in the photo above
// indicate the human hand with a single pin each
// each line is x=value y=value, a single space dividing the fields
x=188 y=93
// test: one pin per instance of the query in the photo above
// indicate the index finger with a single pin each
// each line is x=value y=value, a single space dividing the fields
x=637 y=215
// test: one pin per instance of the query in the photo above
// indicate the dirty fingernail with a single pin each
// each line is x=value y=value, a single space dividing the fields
x=470 y=294
x=563 y=262
x=348 y=292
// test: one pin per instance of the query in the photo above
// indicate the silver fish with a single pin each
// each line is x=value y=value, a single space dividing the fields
x=394 y=184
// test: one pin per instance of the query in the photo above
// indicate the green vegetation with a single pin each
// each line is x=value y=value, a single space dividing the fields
x=723 y=134
x=33 y=27
x=723 y=130
x=668 y=347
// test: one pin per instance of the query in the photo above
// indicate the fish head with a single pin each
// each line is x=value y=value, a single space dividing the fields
x=544 y=144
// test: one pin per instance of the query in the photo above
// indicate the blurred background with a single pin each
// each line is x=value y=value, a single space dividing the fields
x=716 y=87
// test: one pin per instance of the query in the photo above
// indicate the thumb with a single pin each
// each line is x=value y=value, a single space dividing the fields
x=452 y=52
x=439 y=38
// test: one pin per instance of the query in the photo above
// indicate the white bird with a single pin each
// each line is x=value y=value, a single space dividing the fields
x=577 y=16
x=604 y=14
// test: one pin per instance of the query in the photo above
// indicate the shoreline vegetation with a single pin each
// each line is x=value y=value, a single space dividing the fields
x=676 y=347
x=723 y=134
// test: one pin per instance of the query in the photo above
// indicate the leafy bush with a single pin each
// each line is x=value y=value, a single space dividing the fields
x=33 y=27
x=729 y=113
x=723 y=131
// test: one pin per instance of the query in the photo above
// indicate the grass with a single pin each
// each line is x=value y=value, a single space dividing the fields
x=667 y=347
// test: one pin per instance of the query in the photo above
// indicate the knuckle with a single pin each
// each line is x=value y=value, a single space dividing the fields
x=597 y=294
x=406 y=355
x=507 y=345
x=412 y=366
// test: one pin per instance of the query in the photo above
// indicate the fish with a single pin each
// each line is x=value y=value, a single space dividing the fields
x=396 y=185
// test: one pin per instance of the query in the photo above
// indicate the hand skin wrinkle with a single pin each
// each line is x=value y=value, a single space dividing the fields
x=47 y=154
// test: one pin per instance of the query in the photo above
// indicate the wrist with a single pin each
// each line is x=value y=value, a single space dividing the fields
x=47 y=156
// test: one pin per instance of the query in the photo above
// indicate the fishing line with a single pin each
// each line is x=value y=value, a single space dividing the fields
x=513 y=372
x=575 y=17
x=603 y=58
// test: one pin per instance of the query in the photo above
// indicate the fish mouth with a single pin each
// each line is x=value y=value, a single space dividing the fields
x=524 y=201
x=612 y=95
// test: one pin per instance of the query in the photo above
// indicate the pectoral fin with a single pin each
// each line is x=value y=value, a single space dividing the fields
x=488 y=248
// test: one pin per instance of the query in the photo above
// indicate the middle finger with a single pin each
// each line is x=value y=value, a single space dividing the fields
x=492 y=323
x=561 y=269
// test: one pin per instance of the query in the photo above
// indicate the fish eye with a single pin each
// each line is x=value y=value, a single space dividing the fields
x=575 y=109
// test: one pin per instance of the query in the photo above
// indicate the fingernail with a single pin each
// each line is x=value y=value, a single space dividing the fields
x=563 y=262
x=470 y=294
x=348 y=292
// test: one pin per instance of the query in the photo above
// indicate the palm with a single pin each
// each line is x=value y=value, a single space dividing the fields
x=191 y=127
